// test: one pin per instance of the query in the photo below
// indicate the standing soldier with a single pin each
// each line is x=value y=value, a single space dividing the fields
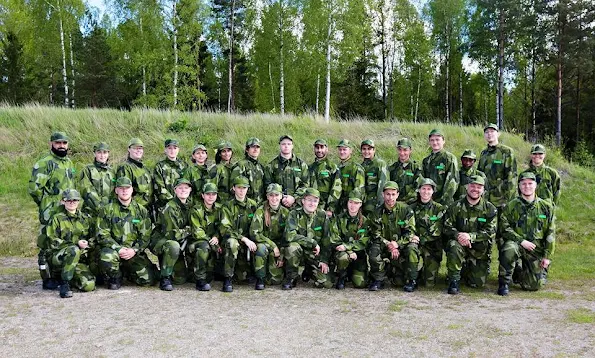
x=309 y=236
x=220 y=173
x=405 y=172
x=266 y=230
x=288 y=170
x=96 y=183
x=325 y=177
x=197 y=173
x=138 y=173
x=548 y=179
x=441 y=167
x=466 y=172
x=251 y=168
x=392 y=238
x=166 y=173
x=529 y=230
x=124 y=231
x=69 y=233
x=429 y=217
x=50 y=177
x=375 y=173
x=469 y=226
x=352 y=173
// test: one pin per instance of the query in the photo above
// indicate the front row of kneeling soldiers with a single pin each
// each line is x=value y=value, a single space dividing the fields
x=270 y=244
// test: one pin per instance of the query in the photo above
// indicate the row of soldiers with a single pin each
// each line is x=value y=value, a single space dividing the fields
x=325 y=249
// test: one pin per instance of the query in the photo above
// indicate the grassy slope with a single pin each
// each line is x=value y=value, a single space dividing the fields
x=24 y=134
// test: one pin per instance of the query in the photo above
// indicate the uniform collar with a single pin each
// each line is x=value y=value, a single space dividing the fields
x=135 y=162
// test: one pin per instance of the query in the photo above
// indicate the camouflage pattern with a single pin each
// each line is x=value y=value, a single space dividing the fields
x=204 y=225
x=465 y=178
x=325 y=177
x=255 y=172
x=352 y=177
x=442 y=168
x=303 y=232
x=548 y=182
x=198 y=176
x=534 y=222
x=375 y=174
x=352 y=232
x=237 y=217
x=96 y=185
x=267 y=238
x=406 y=175
x=165 y=174
x=120 y=226
x=480 y=222
x=500 y=168
x=429 y=220
x=220 y=174
x=291 y=173
x=142 y=181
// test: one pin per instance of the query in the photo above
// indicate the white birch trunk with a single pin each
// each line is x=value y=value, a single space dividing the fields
x=327 y=100
x=64 y=74
x=272 y=86
x=72 y=104
x=230 y=69
x=317 y=93
x=175 y=34
x=417 y=96
x=281 y=60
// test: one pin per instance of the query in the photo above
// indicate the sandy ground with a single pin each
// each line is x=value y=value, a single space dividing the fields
x=304 y=322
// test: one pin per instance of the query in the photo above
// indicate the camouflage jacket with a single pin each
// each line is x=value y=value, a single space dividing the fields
x=220 y=175
x=174 y=221
x=548 y=182
x=376 y=175
x=237 y=217
x=429 y=220
x=325 y=176
x=255 y=172
x=121 y=226
x=66 y=229
x=406 y=175
x=291 y=174
x=479 y=221
x=396 y=224
x=205 y=223
x=499 y=165
x=309 y=230
x=96 y=185
x=198 y=176
x=442 y=168
x=531 y=221
x=271 y=235
x=141 y=178
x=165 y=174
x=352 y=177
x=465 y=178
x=352 y=232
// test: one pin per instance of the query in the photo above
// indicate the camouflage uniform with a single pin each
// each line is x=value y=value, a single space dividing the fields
x=96 y=184
x=165 y=174
x=291 y=173
x=353 y=234
x=254 y=171
x=325 y=176
x=442 y=168
x=376 y=174
x=548 y=182
x=198 y=175
x=406 y=175
x=141 y=178
x=499 y=166
x=352 y=177
x=466 y=174
x=220 y=174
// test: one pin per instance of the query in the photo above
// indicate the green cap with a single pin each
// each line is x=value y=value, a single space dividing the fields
x=241 y=181
x=286 y=136
x=477 y=179
x=209 y=188
x=369 y=142
x=199 y=146
x=123 y=182
x=59 y=137
x=223 y=145
x=321 y=142
x=492 y=126
x=101 y=146
x=71 y=194
x=312 y=192
x=181 y=181
x=426 y=181
x=436 y=131
x=135 y=142
x=169 y=142
x=390 y=185
x=404 y=143
x=274 y=188
x=356 y=196
x=344 y=143
x=253 y=141
x=469 y=153
x=538 y=149
x=527 y=175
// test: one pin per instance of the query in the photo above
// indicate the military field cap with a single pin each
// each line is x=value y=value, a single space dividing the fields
x=369 y=142
x=123 y=182
x=241 y=181
x=170 y=141
x=391 y=185
x=469 y=153
x=344 y=143
x=181 y=181
x=492 y=126
x=135 y=142
x=404 y=143
x=426 y=181
x=209 y=188
x=71 y=194
x=274 y=188
x=285 y=136
x=253 y=141
x=101 y=146
x=312 y=192
x=527 y=175
x=538 y=149
x=199 y=146
x=59 y=137
x=356 y=196
x=477 y=179
x=436 y=131
x=223 y=145
x=321 y=142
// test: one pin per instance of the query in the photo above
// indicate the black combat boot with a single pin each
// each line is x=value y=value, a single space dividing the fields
x=340 y=283
x=259 y=284
x=203 y=285
x=453 y=287
x=375 y=286
x=227 y=287
x=114 y=283
x=287 y=284
x=306 y=275
x=410 y=286
x=165 y=284
x=50 y=284
x=65 y=291
x=502 y=288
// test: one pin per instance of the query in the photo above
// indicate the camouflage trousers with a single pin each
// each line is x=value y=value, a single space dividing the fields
x=431 y=253
x=138 y=269
x=296 y=256
x=359 y=267
x=171 y=260
x=67 y=260
x=202 y=258
x=237 y=260
x=474 y=259
x=265 y=265
x=531 y=276
x=399 y=270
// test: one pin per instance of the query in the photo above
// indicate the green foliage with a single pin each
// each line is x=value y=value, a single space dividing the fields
x=581 y=155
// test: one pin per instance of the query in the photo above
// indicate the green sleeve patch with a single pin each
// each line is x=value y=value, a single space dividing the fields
x=250 y=215
x=324 y=173
x=346 y=175
x=401 y=222
x=371 y=174
x=433 y=218
x=440 y=167
x=541 y=216
x=318 y=228
x=497 y=161
x=135 y=221
x=482 y=220
x=297 y=169
x=361 y=231
x=409 y=174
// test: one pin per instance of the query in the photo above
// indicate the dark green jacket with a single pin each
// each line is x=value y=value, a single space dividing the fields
x=352 y=232
x=142 y=180
x=442 y=168
x=291 y=174
x=309 y=230
x=124 y=226
x=479 y=221
x=429 y=220
x=165 y=174
x=96 y=185
x=67 y=229
x=273 y=234
x=325 y=176
x=220 y=175
x=255 y=172
x=396 y=224
x=499 y=165
x=548 y=182
x=406 y=175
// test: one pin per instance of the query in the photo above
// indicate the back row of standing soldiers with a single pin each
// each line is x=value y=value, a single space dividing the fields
x=267 y=223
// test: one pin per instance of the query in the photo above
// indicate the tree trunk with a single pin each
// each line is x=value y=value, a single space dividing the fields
x=64 y=75
x=230 y=97
x=144 y=68
x=461 y=96
x=533 y=100
x=272 y=87
x=317 y=93
x=417 y=96
x=175 y=34
x=561 y=23
x=384 y=55
x=72 y=104
x=281 y=60
x=447 y=73
x=327 y=99
x=500 y=95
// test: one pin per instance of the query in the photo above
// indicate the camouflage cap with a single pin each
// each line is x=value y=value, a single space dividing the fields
x=71 y=194
x=170 y=141
x=344 y=143
x=285 y=136
x=469 y=153
x=241 y=181
x=436 y=131
x=223 y=145
x=209 y=188
x=390 y=185
x=369 y=142
x=181 y=181
x=477 y=179
x=59 y=137
x=253 y=142
x=491 y=126
x=101 y=146
x=274 y=188
x=527 y=175
x=404 y=143
x=321 y=142
x=199 y=146
x=426 y=181
x=312 y=192
x=538 y=149
x=356 y=196
x=123 y=182
x=135 y=142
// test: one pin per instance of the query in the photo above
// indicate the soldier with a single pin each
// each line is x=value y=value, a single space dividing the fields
x=469 y=226
x=350 y=250
x=325 y=177
x=238 y=214
x=548 y=179
x=392 y=238
x=251 y=168
x=51 y=175
x=220 y=173
x=266 y=230
x=352 y=173
x=309 y=235
x=171 y=235
x=405 y=172
x=124 y=231
x=69 y=233
x=140 y=176
x=165 y=174
x=96 y=183
x=205 y=220
x=287 y=170
x=529 y=230
x=429 y=217
x=466 y=172
x=441 y=167
x=197 y=173
x=375 y=173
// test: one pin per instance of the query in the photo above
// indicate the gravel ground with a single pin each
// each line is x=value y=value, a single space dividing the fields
x=304 y=322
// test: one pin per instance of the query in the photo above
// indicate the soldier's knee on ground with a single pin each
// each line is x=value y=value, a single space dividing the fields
x=358 y=278
x=342 y=260
x=261 y=250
